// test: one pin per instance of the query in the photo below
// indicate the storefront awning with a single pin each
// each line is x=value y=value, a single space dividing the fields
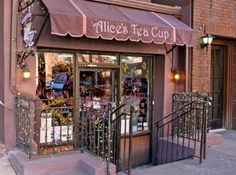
x=92 y=19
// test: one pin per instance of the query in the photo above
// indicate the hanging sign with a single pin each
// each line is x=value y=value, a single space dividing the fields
x=26 y=21
x=28 y=32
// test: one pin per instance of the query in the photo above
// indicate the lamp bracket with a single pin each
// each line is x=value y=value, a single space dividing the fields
x=173 y=69
x=23 y=55
x=172 y=48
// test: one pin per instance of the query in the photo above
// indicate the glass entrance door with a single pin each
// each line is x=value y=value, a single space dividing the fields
x=97 y=88
x=217 y=86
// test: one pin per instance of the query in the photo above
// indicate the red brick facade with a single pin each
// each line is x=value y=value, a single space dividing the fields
x=234 y=89
x=219 y=18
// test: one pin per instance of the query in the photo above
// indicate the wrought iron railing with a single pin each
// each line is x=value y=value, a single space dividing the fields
x=101 y=134
x=180 y=99
x=121 y=126
x=24 y=123
x=94 y=129
x=182 y=134
x=56 y=125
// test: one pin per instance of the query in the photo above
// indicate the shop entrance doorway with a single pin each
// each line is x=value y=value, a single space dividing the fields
x=217 y=86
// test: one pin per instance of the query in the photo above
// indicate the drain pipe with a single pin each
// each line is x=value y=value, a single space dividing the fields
x=8 y=103
x=13 y=46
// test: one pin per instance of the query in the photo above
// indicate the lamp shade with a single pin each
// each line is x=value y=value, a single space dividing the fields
x=26 y=74
x=206 y=40
x=210 y=39
x=177 y=75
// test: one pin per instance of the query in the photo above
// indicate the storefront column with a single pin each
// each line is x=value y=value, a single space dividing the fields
x=158 y=99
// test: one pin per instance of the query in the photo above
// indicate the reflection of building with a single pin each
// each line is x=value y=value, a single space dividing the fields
x=125 y=57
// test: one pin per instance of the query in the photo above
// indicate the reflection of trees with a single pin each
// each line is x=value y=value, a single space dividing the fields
x=49 y=66
x=62 y=67
x=93 y=91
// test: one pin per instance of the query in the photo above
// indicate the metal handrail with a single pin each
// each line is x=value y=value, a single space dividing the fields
x=181 y=131
x=117 y=136
x=182 y=107
x=118 y=108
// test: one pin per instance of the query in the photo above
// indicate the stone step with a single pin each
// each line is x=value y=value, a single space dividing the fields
x=75 y=171
x=213 y=139
x=173 y=149
x=66 y=162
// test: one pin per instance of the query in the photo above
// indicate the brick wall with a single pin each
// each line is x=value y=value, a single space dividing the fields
x=234 y=89
x=220 y=19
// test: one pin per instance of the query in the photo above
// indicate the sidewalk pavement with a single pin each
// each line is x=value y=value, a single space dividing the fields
x=221 y=160
x=5 y=166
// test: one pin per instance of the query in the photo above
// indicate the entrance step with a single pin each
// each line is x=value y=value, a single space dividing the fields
x=213 y=139
x=76 y=171
x=66 y=163
x=173 y=149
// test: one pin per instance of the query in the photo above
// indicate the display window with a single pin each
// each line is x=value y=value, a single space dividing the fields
x=55 y=89
x=135 y=89
x=100 y=79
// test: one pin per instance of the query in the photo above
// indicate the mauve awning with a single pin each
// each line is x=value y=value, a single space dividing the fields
x=92 y=19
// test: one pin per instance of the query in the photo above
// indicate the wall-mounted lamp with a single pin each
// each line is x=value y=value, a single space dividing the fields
x=176 y=74
x=24 y=67
x=26 y=74
x=206 y=40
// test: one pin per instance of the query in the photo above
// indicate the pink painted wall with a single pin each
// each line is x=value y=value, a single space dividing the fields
x=1 y=73
x=169 y=86
x=8 y=116
x=27 y=86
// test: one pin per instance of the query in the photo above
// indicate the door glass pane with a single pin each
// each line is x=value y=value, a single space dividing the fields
x=135 y=88
x=97 y=87
x=217 y=84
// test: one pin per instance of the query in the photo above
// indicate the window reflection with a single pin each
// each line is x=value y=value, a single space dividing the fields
x=96 y=86
x=97 y=59
x=55 y=75
x=83 y=58
x=108 y=59
x=135 y=89
x=55 y=89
